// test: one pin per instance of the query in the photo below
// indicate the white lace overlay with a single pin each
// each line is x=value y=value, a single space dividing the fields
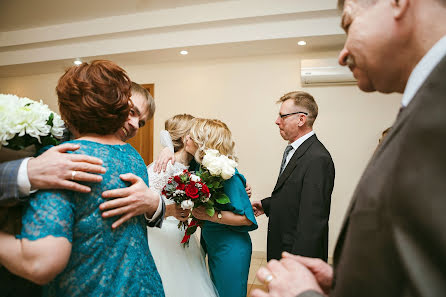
x=182 y=270
x=157 y=181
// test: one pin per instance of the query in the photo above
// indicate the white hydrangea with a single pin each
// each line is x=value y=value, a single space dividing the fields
x=20 y=116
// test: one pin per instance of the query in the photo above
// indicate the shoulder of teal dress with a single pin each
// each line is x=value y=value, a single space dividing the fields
x=240 y=204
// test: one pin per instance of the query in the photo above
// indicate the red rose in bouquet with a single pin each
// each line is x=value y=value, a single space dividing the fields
x=192 y=191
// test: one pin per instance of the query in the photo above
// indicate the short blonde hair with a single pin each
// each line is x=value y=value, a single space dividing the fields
x=137 y=88
x=304 y=100
x=212 y=134
x=178 y=127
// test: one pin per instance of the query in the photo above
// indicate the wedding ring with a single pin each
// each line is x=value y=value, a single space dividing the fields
x=73 y=174
x=269 y=278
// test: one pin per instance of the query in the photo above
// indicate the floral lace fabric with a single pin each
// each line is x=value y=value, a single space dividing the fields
x=159 y=180
x=103 y=262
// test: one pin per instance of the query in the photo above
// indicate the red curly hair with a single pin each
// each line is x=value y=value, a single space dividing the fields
x=94 y=98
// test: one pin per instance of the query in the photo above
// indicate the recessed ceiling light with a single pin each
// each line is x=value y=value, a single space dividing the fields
x=302 y=42
x=77 y=62
x=184 y=52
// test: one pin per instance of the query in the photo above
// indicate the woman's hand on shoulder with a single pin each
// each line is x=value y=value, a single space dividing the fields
x=164 y=157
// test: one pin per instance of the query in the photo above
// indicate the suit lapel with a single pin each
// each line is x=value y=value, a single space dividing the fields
x=401 y=119
x=293 y=162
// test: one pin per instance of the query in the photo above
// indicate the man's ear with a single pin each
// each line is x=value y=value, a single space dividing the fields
x=400 y=8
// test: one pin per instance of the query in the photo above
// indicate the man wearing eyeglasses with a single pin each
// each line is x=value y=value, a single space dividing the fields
x=299 y=206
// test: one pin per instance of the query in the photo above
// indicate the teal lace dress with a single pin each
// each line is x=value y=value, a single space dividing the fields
x=103 y=262
x=229 y=248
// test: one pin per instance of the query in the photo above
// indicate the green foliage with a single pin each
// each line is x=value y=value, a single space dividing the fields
x=191 y=230
x=222 y=198
x=210 y=211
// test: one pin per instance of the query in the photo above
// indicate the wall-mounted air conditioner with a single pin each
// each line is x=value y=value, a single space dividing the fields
x=324 y=72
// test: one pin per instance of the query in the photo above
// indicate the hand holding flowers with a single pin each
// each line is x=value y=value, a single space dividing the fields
x=201 y=192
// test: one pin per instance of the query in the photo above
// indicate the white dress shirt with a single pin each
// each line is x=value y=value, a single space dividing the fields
x=423 y=70
x=296 y=144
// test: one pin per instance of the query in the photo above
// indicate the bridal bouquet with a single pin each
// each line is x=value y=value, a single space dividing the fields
x=204 y=188
x=27 y=125
x=187 y=190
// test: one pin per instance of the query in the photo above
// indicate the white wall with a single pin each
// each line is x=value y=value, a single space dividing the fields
x=242 y=92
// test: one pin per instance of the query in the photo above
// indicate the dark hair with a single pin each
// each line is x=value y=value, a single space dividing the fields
x=94 y=98
x=304 y=100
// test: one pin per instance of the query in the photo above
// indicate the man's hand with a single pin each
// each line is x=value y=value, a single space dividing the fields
x=174 y=210
x=165 y=156
x=53 y=169
x=287 y=278
x=257 y=208
x=248 y=190
x=321 y=270
x=131 y=201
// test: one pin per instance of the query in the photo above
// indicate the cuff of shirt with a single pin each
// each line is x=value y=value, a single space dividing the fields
x=157 y=212
x=23 y=180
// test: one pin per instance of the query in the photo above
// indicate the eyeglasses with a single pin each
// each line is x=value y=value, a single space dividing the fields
x=282 y=116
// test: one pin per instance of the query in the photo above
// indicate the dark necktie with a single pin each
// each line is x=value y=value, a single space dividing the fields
x=285 y=154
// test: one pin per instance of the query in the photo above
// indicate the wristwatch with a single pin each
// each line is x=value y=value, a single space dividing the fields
x=219 y=215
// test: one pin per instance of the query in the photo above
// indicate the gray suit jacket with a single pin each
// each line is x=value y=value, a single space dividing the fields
x=9 y=190
x=393 y=240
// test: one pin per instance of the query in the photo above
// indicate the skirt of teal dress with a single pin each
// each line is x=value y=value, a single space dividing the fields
x=229 y=248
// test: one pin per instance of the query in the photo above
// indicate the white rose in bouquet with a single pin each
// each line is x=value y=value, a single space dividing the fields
x=228 y=169
x=187 y=204
x=219 y=165
x=195 y=178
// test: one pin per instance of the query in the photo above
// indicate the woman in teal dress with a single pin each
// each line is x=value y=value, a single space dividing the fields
x=225 y=235
x=65 y=244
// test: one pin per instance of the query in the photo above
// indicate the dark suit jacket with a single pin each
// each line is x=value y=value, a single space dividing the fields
x=299 y=206
x=393 y=241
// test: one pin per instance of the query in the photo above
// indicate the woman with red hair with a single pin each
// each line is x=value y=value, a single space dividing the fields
x=65 y=244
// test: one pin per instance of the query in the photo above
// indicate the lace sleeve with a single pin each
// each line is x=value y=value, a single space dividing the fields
x=48 y=213
x=166 y=140
x=157 y=181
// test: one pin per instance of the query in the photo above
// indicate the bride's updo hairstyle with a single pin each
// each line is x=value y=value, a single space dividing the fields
x=212 y=134
x=178 y=127
x=94 y=98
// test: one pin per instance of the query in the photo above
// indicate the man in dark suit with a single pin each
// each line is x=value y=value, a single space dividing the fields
x=299 y=206
x=392 y=242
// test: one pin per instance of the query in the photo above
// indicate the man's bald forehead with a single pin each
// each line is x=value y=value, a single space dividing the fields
x=364 y=2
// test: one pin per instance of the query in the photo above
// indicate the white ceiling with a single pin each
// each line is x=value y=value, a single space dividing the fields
x=47 y=35
x=24 y=14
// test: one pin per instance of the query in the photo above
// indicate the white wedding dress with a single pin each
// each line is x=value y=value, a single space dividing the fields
x=182 y=269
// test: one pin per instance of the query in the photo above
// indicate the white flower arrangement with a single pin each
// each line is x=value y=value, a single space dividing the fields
x=25 y=122
x=218 y=164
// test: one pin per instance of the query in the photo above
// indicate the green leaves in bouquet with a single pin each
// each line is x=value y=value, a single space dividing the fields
x=222 y=198
x=191 y=230
x=210 y=210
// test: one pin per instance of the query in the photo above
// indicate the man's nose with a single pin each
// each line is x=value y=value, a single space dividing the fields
x=342 y=58
x=278 y=120
x=134 y=122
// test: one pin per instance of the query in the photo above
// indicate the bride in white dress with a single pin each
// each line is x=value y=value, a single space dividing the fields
x=182 y=269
